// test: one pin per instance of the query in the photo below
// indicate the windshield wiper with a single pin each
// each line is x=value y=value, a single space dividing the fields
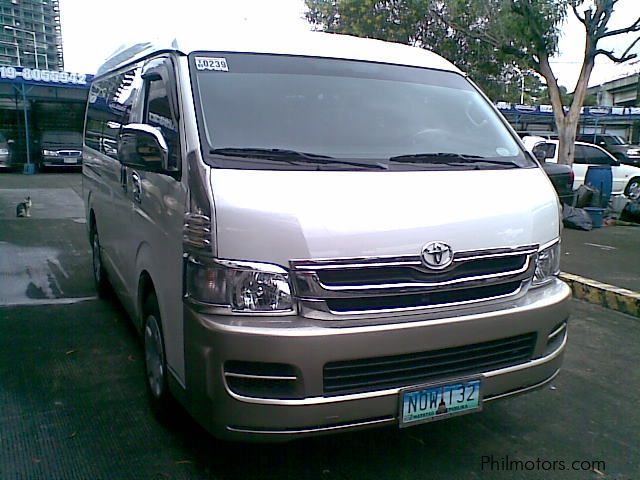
x=292 y=157
x=449 y=159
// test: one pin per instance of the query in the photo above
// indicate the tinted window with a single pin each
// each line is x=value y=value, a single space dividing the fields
x=596 y=156
x=345 y=109
x=110 y=103
x=580 y=155
x=61 y=138
x=588 y=138
x=548 y=150
x=158 y=114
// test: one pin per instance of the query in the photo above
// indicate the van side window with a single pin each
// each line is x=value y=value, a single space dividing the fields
x=158 y=114
x=110 y=103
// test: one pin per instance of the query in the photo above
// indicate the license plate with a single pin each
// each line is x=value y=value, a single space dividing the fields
x=70 y=160
x=442 y=400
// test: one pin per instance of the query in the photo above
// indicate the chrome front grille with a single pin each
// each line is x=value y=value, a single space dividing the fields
x=363 y=375
x=69 y=153
x=333 y=288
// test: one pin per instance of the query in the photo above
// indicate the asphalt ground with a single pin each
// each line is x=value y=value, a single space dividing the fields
x=609 y=254
x=73 y=406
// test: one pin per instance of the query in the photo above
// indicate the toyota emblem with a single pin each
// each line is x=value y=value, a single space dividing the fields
x=437 y=255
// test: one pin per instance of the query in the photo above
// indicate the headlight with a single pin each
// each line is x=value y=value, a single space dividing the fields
x=50 y=153
x=547 y=265
x=633 y=151
x=4 y=151
x=243 y=286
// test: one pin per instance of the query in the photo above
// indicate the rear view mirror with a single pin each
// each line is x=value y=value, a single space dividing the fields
x=144 y=147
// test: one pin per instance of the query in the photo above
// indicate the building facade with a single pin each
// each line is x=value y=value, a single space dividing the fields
x=622 y=92
x=30 y=36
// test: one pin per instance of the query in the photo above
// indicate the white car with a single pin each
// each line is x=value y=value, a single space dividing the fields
x=626 y=178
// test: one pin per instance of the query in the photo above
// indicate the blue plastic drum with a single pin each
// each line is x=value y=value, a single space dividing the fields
x=600 y=177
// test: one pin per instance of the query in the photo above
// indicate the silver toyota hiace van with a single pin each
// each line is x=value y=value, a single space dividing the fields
x=322 y=234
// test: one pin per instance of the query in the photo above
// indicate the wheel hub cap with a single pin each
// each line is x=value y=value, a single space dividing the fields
x=154 y=356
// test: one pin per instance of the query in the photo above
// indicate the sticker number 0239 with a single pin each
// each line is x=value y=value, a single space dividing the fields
x=212 y=63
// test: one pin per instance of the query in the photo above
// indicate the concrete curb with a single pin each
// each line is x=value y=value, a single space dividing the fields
x=608 y=296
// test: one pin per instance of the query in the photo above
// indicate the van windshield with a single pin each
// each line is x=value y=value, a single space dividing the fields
x=277 y=111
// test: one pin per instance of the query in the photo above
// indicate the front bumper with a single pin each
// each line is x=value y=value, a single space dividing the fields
x=61 y=161
x=307 y=346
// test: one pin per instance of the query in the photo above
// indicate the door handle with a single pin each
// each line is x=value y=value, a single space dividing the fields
x=137 y=187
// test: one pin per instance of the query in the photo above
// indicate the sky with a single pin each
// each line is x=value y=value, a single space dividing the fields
x=93 y=29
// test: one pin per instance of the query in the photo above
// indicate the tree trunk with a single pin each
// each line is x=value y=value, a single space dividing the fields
x=566 y=140
x=564 y=124
x=567 y=122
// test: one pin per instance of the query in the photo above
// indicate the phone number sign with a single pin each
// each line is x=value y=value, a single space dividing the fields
x=48 y=77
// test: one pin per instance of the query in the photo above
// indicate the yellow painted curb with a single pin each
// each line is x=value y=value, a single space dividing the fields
x=609 y=296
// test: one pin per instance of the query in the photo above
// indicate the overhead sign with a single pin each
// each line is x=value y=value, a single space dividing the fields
x=39 y=76
x=585 y=111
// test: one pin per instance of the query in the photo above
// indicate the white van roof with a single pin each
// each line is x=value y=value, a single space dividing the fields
x=311 y=44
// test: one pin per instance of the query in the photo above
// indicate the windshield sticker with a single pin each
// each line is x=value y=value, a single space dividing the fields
x=218 y=64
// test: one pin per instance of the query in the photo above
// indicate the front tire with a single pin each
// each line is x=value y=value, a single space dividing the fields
x=99 y=273
x=155 y=362
x=633 y=188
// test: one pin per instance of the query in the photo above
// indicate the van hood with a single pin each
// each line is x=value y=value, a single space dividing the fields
x=277 y=216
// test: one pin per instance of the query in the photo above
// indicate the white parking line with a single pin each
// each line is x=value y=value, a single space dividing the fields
x=601 y=247
x=46 y=301
x=29 y=276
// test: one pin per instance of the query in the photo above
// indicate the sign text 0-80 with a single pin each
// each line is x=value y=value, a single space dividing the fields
x=38 y=75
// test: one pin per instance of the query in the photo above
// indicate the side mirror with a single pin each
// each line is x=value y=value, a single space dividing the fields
x=144 y=147
x=540 y=154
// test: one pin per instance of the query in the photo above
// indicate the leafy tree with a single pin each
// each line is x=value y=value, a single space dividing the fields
x=502 y=34
x=411 y=22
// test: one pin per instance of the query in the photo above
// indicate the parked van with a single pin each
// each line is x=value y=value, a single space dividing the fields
x=322 y=234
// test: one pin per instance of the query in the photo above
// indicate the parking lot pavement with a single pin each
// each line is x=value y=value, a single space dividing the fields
x=610 y=255
x=54 y=178
x=44 y=259
x=73 y=407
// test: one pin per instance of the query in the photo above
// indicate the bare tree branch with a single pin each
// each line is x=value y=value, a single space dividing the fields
x=620 y=59
x=634 y=27
x=552 y=88
x=577 y=14
x=603 y=15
